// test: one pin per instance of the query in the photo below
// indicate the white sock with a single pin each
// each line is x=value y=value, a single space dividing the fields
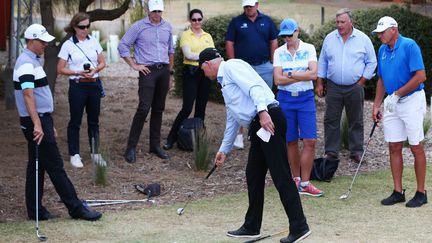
x=304 y=183
x=297 y=178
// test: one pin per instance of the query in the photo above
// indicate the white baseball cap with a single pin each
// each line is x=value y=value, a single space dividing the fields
x=249 y=2
x=155 y=5
x=37 y=31
x=385 y=23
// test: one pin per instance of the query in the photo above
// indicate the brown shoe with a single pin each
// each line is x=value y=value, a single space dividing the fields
x=331 y=156
x=355 y=158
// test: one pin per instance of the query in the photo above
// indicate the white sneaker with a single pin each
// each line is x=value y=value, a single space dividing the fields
x=76 y=161
x=238 y=143
x=97 y=159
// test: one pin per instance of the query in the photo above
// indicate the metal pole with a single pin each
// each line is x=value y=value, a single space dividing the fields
x=322 y=15
x=18 y=29
x=188 y=10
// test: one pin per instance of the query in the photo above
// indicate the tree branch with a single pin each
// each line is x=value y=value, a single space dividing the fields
x=102 y=14
x=83 y=5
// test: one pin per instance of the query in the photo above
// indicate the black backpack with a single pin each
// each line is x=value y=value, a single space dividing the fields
x=187 y=128
x=324 y=169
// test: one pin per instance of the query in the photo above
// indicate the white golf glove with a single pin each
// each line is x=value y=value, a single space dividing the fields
x=390 y=102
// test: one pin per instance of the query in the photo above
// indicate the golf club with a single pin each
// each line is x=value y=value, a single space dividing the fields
x=347 y=193
x=285 y=231
x=96 y=203
x=40 y=236
x=180 y=211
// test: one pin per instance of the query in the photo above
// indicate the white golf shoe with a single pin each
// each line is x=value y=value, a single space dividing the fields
x=238 y=142
x=76 y=161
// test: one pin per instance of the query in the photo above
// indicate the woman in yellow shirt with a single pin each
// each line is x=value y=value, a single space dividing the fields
x=195 y=85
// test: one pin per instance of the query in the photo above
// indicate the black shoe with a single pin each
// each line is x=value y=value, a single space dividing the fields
x=395 y=197
x=292 y=238
x=159 y=152
x=418 y=200
x=243 y=233
x=46 y=216
x=86 y=214
x=355 y=158
x=331 y=156
x=130 y=155
x=168 y=146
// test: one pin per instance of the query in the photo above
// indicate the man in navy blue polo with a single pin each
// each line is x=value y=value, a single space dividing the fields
x=252 y=37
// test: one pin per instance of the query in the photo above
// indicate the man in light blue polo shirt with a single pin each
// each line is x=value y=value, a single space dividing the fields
x=401 y=75
x=347 y=60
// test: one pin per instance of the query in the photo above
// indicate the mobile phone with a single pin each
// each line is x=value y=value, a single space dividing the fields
x=86 y=67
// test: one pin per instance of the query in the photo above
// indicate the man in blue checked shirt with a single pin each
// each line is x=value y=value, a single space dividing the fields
x=347 y=60
x=251 y=103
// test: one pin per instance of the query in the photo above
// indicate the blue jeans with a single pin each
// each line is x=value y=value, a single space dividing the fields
x=83 y=95
x=265 y=70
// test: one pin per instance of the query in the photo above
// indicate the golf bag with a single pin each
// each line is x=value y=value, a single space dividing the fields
x=188 y=127
x=323 y=169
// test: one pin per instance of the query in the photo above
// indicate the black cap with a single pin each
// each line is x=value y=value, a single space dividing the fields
x=208 y=54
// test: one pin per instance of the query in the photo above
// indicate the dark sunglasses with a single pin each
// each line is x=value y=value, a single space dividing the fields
x=197 y=20
x=285 y=36
x=82 y=27
x=156 y=11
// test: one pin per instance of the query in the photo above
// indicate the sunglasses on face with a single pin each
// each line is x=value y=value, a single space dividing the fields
x=197 y=20
x=285 y=36
x=156 y=11
x=82 y=27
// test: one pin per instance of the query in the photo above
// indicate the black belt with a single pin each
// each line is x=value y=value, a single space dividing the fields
x=272 y=106
x=157 y=66
x=44 y=114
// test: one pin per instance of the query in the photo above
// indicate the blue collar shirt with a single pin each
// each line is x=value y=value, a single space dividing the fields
x=344 y=63
x=245 y=94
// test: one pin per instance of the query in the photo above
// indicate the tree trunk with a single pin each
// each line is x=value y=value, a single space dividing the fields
x=50 y=56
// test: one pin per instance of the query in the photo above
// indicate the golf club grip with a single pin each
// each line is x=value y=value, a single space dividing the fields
x=373 y=129
x=211 y=172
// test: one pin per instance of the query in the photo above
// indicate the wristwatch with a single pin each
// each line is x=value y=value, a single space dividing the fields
x=289 y=74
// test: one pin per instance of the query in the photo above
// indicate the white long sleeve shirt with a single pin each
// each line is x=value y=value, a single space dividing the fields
x=245 y=94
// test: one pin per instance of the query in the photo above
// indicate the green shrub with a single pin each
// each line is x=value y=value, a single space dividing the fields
x=411 y=25
x=216 y=27
x=201 y=149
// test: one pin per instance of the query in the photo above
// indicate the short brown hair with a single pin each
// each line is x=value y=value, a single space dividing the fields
x=78 y=17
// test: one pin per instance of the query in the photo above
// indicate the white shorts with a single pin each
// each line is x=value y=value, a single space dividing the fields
x=407 y=119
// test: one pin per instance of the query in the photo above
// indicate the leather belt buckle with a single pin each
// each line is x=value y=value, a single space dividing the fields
x=159 y=66
x=295 y=93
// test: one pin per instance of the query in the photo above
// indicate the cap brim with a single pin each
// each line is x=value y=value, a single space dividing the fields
x=46 y=37
x=286 y=32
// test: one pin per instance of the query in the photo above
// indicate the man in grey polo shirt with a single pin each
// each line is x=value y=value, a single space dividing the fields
x=35 y=105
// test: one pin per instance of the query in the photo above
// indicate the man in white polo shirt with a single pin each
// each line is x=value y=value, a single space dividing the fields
x=401 y=75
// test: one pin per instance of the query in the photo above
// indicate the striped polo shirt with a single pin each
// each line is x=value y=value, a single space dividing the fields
x=29 y=74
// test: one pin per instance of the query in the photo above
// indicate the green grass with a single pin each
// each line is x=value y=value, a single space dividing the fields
x=361 y=218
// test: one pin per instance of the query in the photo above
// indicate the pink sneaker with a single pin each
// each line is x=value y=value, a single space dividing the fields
x=297 y=182
x=310 y=190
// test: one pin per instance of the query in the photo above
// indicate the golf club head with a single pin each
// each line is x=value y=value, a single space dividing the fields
x=41 y=237
x=345 y=195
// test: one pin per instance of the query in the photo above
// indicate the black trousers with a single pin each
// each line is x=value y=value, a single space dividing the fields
x=152 y=92
x=83 y=96
x=50 y=161
x=195 y=89
x=271 y=156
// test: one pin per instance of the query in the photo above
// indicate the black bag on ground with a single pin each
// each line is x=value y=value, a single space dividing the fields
x=323 y=169
x=187 y=128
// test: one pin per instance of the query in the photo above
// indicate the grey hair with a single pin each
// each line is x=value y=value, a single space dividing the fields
x=344 y=11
